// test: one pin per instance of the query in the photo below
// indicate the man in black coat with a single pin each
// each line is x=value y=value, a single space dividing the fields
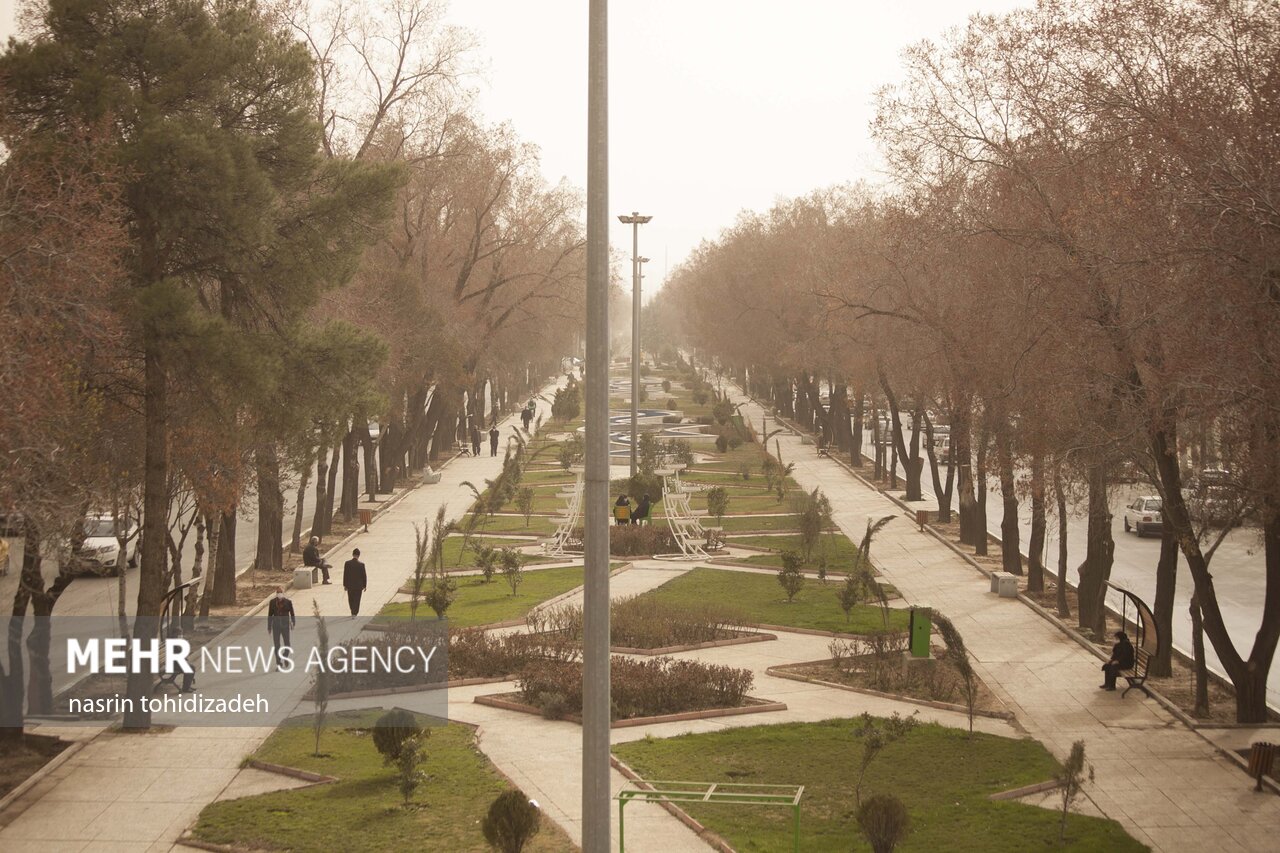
x=311 y=557
x=280 y=620
x=354 y=581
x=1121 y=659
x=493 y=440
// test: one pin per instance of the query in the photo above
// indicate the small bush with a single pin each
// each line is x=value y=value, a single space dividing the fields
x=672 y=419
x=635 y=540
x=722 y=411
x=680 y=451
x=744 y=471
x=407 y=767
x=392 y=731
x=883 y=820
x=666 y=386
x=642 y=688
x=735 y=441
x=512 y=567
x=512 y=820
x=722 y=443
x=789 y=576
x=718 y=502
x=701 y=396
x=487 y=560
x=704 y=420
x=672 y=403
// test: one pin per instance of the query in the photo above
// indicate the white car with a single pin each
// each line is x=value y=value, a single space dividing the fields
x=99 y=553
x=1143 y=516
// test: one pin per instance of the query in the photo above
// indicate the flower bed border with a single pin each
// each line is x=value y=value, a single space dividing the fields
x=779 y=672
x=496 y=700
x=744 y=637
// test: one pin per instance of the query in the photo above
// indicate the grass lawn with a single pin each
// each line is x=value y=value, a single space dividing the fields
x=480 y=603
x=759 y=522
x=455 y=556
x=760 y=599
x=362 y=811
x=941 y=776
x=839 y=550
x=539 y=525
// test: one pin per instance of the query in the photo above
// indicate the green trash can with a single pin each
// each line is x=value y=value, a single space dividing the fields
x=919 y=630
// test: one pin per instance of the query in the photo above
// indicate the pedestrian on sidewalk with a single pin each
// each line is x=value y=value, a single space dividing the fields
x=280 y=620
x=354 y=580
x=1121 y=659
x=493 y=440
x=526 y=416
x=311 y=557
x=475 y=440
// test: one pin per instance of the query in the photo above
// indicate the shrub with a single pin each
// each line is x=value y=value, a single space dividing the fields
x=487 y=560
x=883 y=820
x=722 y=411
x=512 y=820
x=876 y=733
x=850 y=595
x=672 y=404
x=641 y=484
x=407 y=767
x=813 y=512
x=392 y=731
x=524 y=503
x=644 y=622
x=441 y=593
x=958 y=657
x=666 y=386
x=680 y=451
x=567 y=403
x=572 y=451
x=1071 y=779
x=671 y=419
x=700 y=396
x=641 y=688
x=637 y=540
x=512 y=567
x=722 y=443
x=744 y=471
x=704 y=420
x=885 y=649
x=718 y=502
x=644 y=370
x=789 y=576
x=735 y=441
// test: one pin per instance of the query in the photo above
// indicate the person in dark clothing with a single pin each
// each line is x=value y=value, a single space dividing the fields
x=280 y=620
x=475 y=440
x=622 y=510
x=641 y=512
x=1121 y=659
x=493 y=440
x=354 y=581
x=311 y=557
x=526 y=417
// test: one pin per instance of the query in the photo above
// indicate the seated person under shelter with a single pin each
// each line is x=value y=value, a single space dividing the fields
x=641 y=512
x=1121 y=659
x=622 y=510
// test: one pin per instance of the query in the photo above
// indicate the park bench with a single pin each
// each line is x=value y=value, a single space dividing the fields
x=1137 y=674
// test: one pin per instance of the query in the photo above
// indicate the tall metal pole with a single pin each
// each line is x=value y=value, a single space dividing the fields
x=635 y=339
x=595 y=652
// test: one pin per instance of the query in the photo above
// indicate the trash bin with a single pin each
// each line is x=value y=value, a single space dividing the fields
x=1261 y=757
x=919 y=630
x=366 y=518
x=922 y=517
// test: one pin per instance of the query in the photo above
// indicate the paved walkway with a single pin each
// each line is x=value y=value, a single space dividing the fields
x=140 y=792
x=1166 y=785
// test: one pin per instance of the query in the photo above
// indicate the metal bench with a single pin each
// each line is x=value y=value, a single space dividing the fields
x=1137 y=675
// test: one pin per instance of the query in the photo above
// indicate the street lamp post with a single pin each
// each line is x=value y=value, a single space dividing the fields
x=635 y=220
x=595 y=605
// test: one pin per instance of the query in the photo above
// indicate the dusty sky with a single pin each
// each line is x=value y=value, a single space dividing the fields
x=715 y=105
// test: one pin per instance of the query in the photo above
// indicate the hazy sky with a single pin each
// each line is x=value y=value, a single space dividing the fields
x=715 y=105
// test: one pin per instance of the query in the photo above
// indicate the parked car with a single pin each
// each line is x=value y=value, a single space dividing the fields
x=1143 y=516
x=99 y=553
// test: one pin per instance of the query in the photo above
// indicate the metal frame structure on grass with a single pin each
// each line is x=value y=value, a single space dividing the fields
x=683 y=520
x=558 y=545
x=720 y=793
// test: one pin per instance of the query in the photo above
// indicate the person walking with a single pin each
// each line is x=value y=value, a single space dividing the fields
x=280 y=621
x=493 y=440
x=526 y=417
x=354 y=580
x=311 y=557
x=475 y=440
x=1121 y=659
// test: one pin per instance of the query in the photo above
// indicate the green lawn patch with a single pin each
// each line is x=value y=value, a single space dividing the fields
x=362 y=811
x=760 y=599
x=941 y=776
x=480 y=603
x=455 y=556
x=838 y=549
x=538 y=525
x=753 y=523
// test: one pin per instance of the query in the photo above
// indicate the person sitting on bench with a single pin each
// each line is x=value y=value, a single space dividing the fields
x=622 y=510
x=311 y=557
x=1121 y=659
x=641 y=512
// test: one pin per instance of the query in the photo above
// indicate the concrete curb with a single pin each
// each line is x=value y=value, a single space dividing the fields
x=1026 y=790
x=36 y=778
x=417 y=688
x=710 y=644
x=494 y=701
x=292 y=772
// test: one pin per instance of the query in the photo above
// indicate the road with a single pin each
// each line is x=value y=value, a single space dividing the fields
x=1238 y=569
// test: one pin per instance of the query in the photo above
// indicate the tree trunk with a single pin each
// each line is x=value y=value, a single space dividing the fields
x=270 y=551
x=370 y=457
x=197 y=571
x=40 y=679
x=1162 y=609
x=1099 y=554
x=1035 y=547
x=980 y=492
x=962 y=454
x=155 y=518
x=859 y=411
x=350 y=477
x=1200 y=668
x=13 y=679
x=1010 y=536
x=331 y=489
x=1060 y=497
x=300 y=502
x=224 y=569
x=943 y=492
x=214 y=532
x=318 y=526
x=911 y=462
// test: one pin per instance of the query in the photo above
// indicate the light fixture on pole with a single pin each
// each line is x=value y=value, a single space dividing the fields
x=635 y=220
